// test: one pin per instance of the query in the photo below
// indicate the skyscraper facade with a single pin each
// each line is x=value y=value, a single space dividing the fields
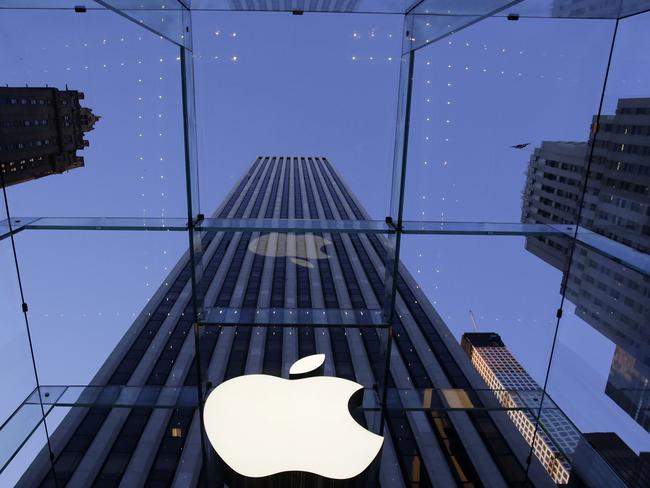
x=556 y=438
x=628 y=384
x=552 y=195
x=603 y=459
x=309 y=272
x=609 y=296
x=41 y=130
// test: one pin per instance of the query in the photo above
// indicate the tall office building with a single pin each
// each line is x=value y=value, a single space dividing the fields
x=556 y=438
x=628 y=385
x=603 y=459
x=609 y=296
x=318 y=272
x=552 y=194
x=41 y=130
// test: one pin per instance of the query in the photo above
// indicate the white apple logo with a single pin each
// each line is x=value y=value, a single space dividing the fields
x=300 y=257
x=262 y=425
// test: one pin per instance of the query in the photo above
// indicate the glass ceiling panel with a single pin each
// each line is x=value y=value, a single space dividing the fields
x=580 y=9
x=463 y=7
x=167 y=18
x=292 y=87
x=340 y=6
x=93 y=4
x=585 y=9
x=575 y=9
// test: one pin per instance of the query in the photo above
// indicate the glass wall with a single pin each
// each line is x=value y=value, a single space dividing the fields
x=457 y=170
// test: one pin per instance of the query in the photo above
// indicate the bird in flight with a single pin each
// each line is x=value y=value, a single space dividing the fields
x=520 y=146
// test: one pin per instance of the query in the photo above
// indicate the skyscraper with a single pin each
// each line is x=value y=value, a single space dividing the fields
x=556 y=438
x=41 y=130
x=628 y=385
x=609 y=296
x=603 y=459
x=312 y=273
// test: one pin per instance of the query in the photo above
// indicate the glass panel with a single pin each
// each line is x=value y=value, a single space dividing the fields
x=129 y=305
x=346 y=6
x=107 y=223
x=602 y=355
x=432 y=20
x=295 y=131
x=110 y=278
x=131 y=80
x=567 y=9
x=485 y=308
x=27 y=444
x=331 y=317
x=472 y=131
x=602 y=350
x=606 y=246
x=452 y=8
x=16 y=370
x=17 y=224
x=17 y=429
x=587 y=9
x=427 y=29
x=165 y=18
x=150 y=396
x=180 y=224
x=337 y=104
x=482 y=228
x=426 y=400
x=357 y=226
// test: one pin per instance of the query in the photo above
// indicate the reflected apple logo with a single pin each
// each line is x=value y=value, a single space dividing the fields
x=300 y=257
x=262 y=425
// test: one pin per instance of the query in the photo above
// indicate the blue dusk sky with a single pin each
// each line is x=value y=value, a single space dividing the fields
x=317 y=84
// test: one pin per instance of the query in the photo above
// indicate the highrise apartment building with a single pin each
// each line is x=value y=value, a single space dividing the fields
x=317 y=272
x=556 y=438
x=611 y=297
x=41 y=130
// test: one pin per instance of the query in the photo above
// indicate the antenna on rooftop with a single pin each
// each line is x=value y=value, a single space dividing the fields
x=471 y=316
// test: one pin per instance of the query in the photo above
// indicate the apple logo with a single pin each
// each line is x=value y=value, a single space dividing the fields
x=262 y=425
x=300 y=257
